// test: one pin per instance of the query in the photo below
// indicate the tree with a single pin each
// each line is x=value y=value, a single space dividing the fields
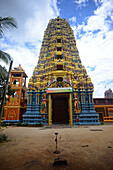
x=5 y=57
x=3 y=77
x=5 y=25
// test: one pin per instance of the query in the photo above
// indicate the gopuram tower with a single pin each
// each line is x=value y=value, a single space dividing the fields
x=60 y=91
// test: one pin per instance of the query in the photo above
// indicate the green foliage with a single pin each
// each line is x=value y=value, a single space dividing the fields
x=24 y=124
x=11 y=123
x=102 y=123
x=7 y=23
x=4 y=124
x=3 y=74
x=19 y=124
x=3 y=138
x=39 y=124
x=35 y=125
x=5 y=57
x=10 y=91
x=29 y=125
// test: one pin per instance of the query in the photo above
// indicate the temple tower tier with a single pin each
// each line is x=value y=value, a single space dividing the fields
x=60 y=91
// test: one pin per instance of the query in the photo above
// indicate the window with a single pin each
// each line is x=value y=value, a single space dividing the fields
x=59 y=57
x=16 y=75
x=58 y=48
x=110 y=113
x=59 y=67
x=58 y=40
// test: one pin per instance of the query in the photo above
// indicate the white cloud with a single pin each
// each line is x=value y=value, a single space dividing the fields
x=95 y=23
x=73 y=19
x=81 y=3
x=94 y=53
x=96 y=49
x=32 y=18
x=97 y=2
x=98 y=20
x=26 y=57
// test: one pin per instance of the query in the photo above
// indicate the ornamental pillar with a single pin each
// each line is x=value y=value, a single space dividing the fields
x=49 y=118
x=70 y=109
x=89 y=97
x=30 y=98
x=36 y=98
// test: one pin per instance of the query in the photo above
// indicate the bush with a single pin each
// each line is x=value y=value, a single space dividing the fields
x=11 y=124
x=4 y=124
x=24 y=124
x=39 y=124
x=19 y=124
x=3 y=138
x=29 y=125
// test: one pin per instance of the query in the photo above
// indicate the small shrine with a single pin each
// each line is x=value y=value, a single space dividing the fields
x=16 y=105
x=60 y=90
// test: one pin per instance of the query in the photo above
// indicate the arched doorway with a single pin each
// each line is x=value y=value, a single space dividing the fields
x=60 y=108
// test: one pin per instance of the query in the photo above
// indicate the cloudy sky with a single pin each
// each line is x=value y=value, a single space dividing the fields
x=91 y=21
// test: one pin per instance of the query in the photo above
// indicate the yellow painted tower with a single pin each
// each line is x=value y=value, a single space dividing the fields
x=60 y=91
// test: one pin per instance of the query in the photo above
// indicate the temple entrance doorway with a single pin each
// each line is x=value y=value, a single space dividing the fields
x=60 y=109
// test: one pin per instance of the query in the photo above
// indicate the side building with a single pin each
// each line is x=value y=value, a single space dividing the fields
x=104 y=107
x=16 y=105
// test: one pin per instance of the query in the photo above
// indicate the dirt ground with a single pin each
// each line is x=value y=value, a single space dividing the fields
x=31 y=148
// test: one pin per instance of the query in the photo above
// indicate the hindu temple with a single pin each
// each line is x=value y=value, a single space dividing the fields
x=60 y=90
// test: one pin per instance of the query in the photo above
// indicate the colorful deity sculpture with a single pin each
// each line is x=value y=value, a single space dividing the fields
x=43 y=109
x=76 y=103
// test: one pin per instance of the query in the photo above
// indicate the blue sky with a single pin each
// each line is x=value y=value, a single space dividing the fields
x=79 y=10
x=91 y=21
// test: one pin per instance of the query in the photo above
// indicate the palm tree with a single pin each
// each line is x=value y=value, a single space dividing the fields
x=5 y=57
x=3 y=77
x=5 y=24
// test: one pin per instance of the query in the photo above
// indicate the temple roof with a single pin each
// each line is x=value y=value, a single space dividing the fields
x=19 y=69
